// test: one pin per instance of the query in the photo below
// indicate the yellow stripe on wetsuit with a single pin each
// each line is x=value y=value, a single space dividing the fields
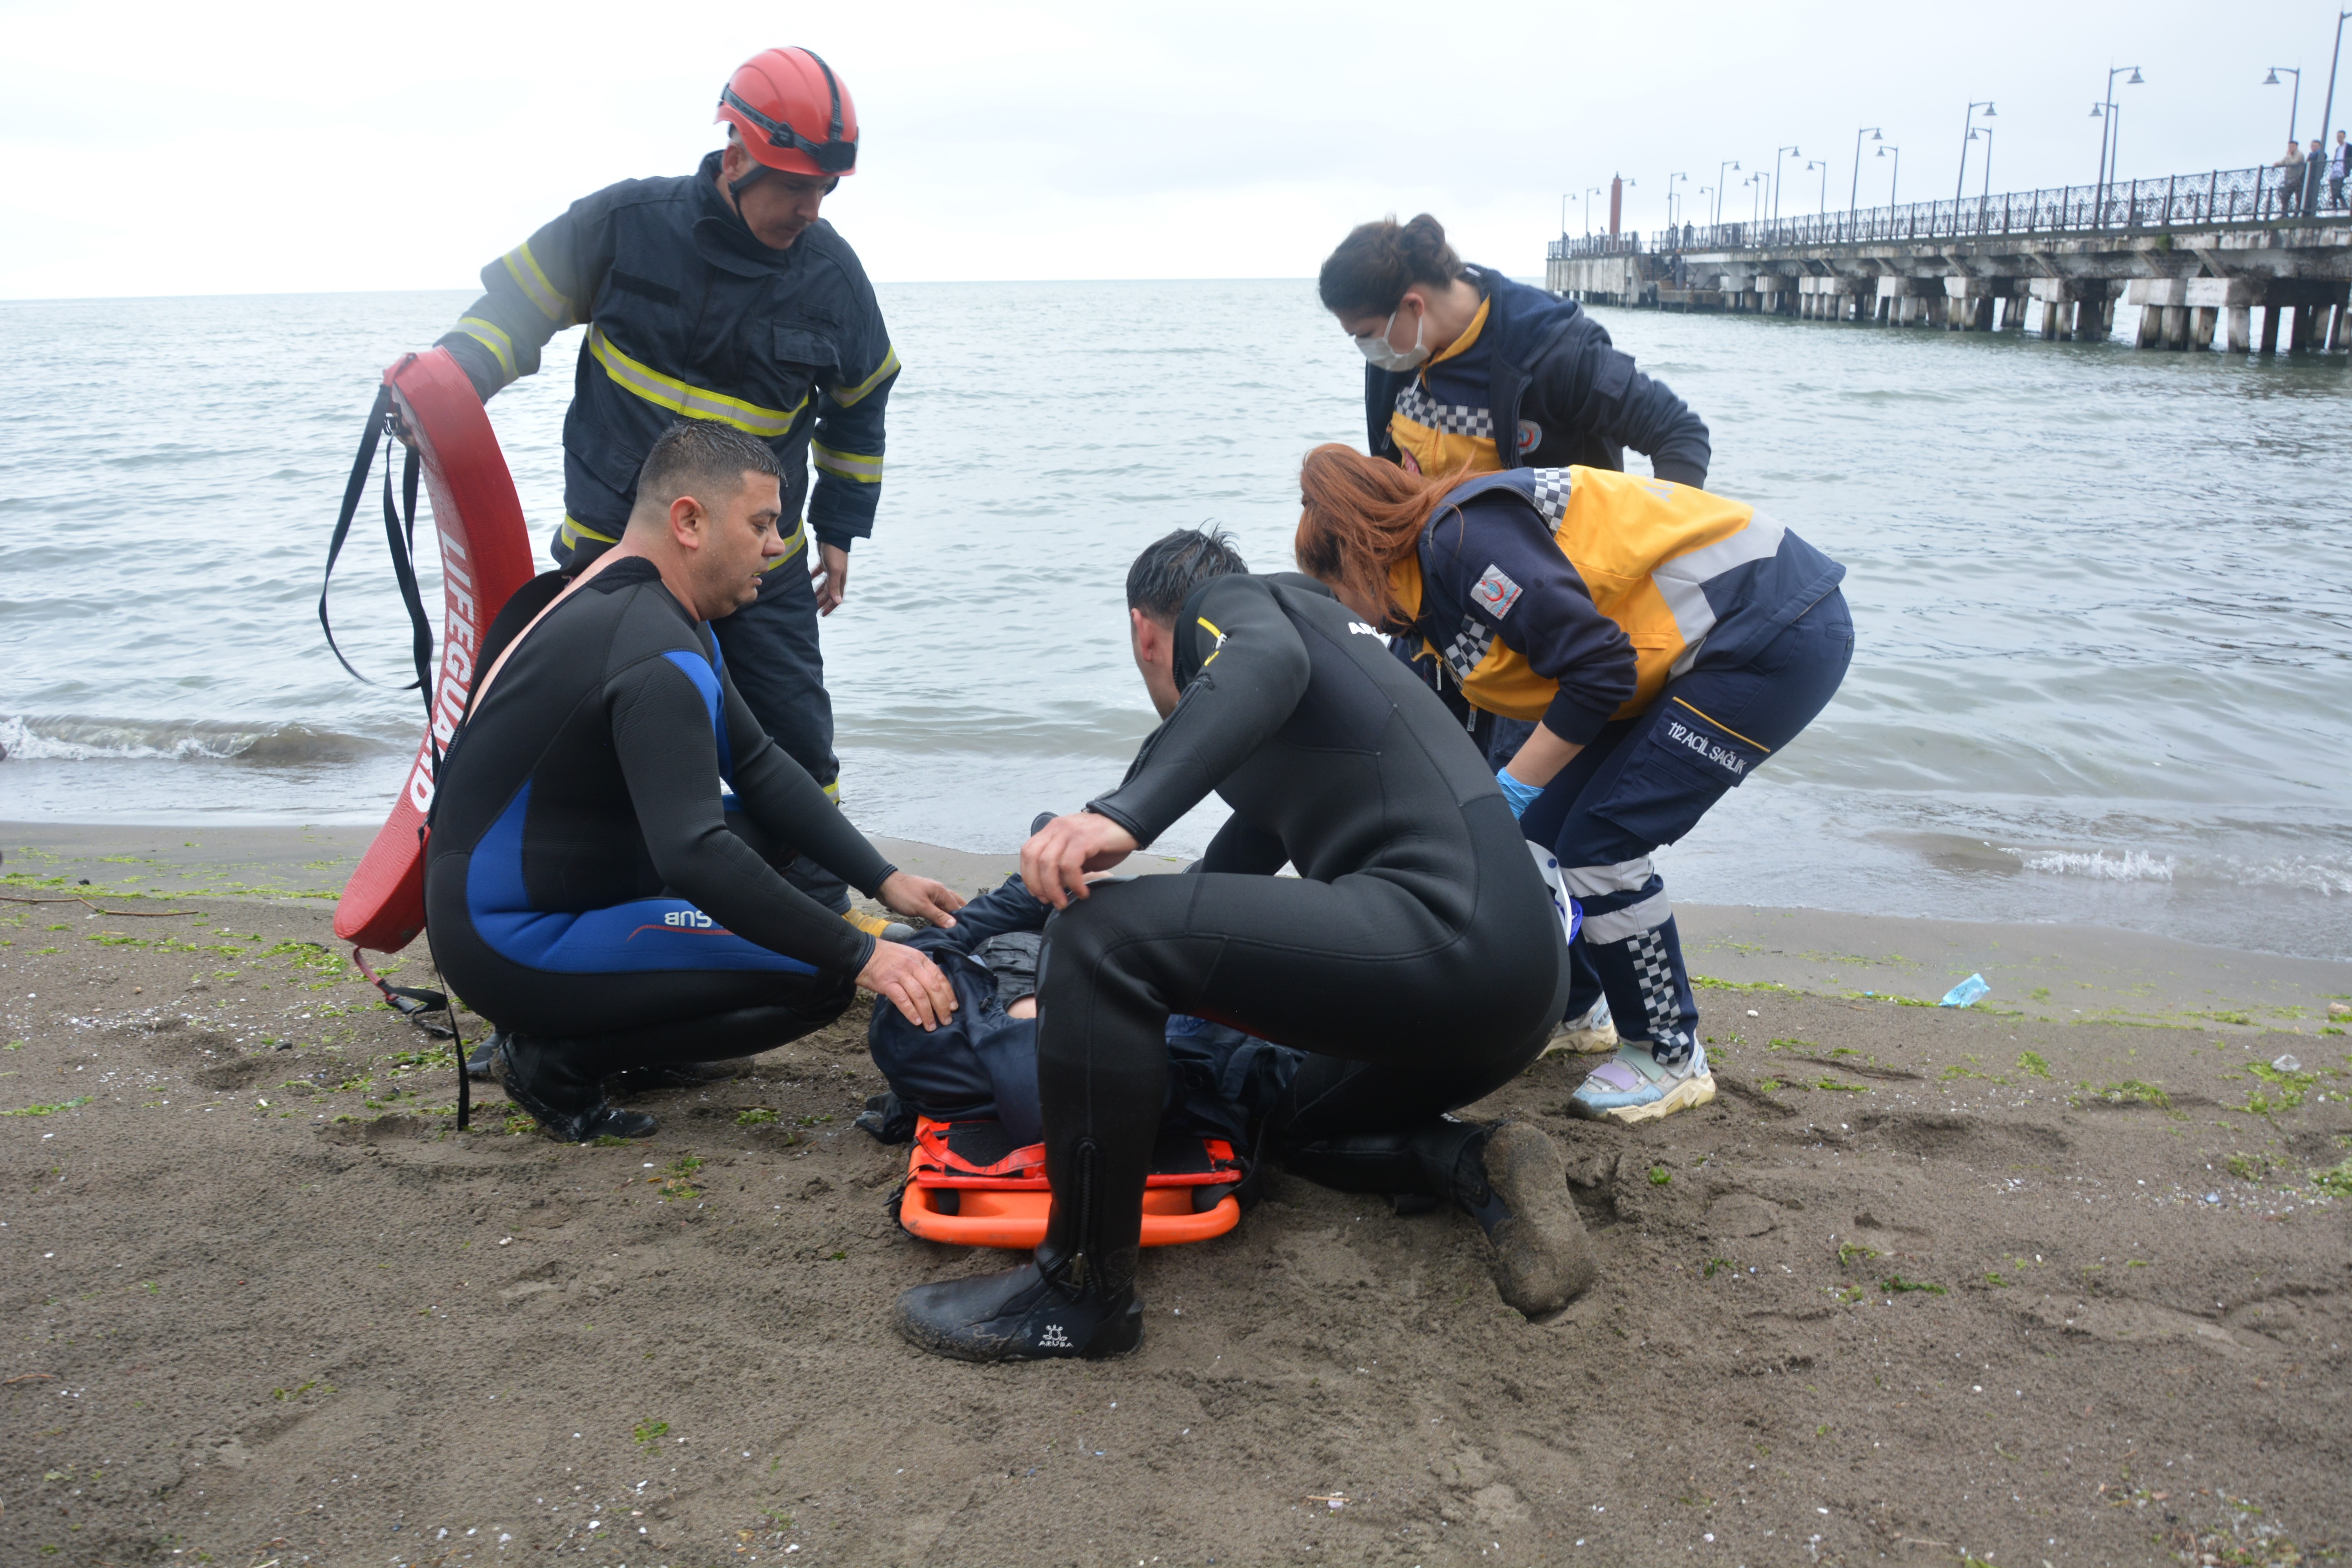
x=1204 y=621
x=684 y=399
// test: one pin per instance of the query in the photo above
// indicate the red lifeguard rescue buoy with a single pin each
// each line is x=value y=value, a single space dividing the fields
x=485 y=556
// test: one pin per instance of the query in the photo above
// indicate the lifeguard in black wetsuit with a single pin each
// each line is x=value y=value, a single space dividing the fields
x=1417 y=951
x=590 y=888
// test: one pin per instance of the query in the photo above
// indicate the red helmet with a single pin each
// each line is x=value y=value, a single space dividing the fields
x=792 y=113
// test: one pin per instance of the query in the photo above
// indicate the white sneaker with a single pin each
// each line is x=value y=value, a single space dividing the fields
x=1590 y=1036
x=1631 y=1088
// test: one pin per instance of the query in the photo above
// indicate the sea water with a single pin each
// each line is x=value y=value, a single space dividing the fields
x=2103 y=598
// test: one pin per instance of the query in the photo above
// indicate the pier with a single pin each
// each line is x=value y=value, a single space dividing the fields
x=2225 y=260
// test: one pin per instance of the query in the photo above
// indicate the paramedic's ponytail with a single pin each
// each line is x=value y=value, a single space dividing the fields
x=1378 y=261
x=1359 y=517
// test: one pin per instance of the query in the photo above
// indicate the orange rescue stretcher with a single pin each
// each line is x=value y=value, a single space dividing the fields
x=967 y=1185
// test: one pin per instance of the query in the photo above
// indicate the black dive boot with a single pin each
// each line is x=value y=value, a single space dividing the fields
x=564 y=1095
x=651 y=1076
x=1068 y=1303
x=1508 y=1178
x=482 y=1061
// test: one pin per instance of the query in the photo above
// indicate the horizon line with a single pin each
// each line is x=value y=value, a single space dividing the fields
x=445 y=288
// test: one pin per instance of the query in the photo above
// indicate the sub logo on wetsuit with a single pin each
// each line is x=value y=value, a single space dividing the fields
x=1531 y=435
x=1360 y=629
x=690 y=923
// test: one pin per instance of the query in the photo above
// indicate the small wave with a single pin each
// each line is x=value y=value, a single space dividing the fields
x=2131 y=866
x=2326 y=876
x=82 y=739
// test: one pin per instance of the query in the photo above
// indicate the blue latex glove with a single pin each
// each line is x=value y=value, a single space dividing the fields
x=1520 y=796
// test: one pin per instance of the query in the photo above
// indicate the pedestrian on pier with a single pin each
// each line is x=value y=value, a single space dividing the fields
x=2290 y=178
x=2314 y=164
x=2339 y=167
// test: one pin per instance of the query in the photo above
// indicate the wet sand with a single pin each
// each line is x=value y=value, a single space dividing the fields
x=2020 y=1283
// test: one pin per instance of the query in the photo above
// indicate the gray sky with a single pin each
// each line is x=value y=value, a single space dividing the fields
x=179 y=149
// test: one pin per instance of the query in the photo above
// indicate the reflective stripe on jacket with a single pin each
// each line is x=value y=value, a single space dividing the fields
x=690 y=315
x=1573 y=594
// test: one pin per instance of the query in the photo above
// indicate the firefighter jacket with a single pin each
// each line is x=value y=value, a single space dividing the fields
x=688 y=315
x=1539 y=386
x=1572 y=595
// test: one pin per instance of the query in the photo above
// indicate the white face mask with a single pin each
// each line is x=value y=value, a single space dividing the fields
x=1385 y=356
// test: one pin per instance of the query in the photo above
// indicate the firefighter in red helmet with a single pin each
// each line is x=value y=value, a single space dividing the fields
x=719 y=295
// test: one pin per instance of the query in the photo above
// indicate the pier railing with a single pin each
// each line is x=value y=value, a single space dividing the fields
x=2222 y=195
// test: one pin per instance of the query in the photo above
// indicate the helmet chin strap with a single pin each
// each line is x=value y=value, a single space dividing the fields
x=735 y=189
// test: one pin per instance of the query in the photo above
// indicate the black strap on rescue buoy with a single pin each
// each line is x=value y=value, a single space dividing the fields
x=413 y=1003
x=400 y=538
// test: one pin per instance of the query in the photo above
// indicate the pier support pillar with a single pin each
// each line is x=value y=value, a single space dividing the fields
x=1968 y=304
x=2057 y=296
x=2270 y=328
x=2163 y=311
x=2222 y=302
x=2336 y=328
x=2301 y=327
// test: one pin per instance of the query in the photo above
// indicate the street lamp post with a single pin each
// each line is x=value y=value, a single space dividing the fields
x=1854 y=196
x=2294 y=99
x=1727 y=163
x=1823 y=165
x=1779 y=153
x=2327 y=105
x=1590 y=191
x=2107 y=123
x=1986 y=132
x=1670 y=198
x=1967 y=125
x=1896 y=178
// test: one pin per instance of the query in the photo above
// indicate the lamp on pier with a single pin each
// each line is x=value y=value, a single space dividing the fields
x=2109 y=137
x=1968 y=123
x=2294 y=99
x=1854 y=196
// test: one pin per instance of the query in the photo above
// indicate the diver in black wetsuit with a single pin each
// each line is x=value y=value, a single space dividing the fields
x=1417 y=951
x=589 y=889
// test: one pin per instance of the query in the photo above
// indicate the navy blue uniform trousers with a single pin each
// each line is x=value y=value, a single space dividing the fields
x=1644 y=782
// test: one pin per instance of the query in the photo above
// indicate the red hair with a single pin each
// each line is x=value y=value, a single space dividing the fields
x=1359 y=517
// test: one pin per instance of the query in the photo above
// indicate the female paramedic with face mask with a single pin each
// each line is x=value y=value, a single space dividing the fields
x=1468 y=372
x=1665 y=641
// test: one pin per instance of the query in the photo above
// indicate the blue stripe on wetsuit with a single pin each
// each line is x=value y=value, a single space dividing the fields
x=642 y=935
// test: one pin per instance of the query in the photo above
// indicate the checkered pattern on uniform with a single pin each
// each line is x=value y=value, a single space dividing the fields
x=1654 y=970
x=1446 y=418
x=1469 y=646
x=1551 y=488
